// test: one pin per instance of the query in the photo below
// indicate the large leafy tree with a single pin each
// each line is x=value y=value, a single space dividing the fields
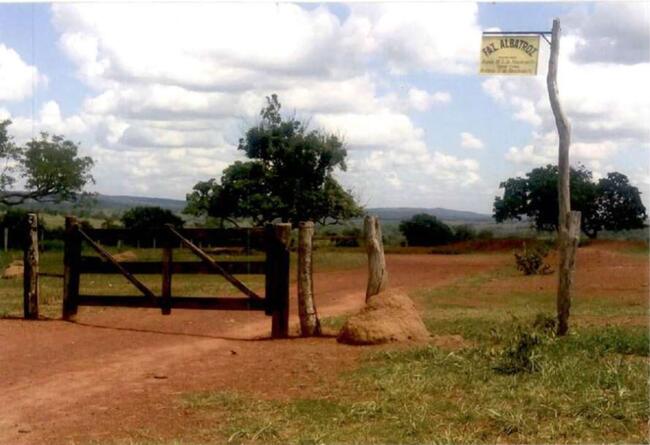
x=611 y=203
x=289 y=176
x=50 y=167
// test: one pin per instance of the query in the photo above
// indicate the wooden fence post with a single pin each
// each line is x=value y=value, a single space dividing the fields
x=377 y=275
x=30 y=268
x=278 y=237
x=6 y=238
x=568 y=246
x=309 y=322
x=167 y=264
x=71 y=260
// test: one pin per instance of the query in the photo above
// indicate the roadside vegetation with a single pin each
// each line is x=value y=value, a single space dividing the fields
x=502 y=377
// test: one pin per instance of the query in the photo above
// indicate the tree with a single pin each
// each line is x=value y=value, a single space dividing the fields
x=619 y=203
x=426 y=230
x=289 y=176
x=143 y=219
x=611 y=204
x=50 y=167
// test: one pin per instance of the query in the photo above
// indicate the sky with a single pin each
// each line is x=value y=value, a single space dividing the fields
x=158 y=94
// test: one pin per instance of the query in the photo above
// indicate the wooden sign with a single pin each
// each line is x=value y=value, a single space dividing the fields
x=509 y=55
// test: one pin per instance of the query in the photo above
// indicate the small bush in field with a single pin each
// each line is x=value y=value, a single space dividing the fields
x=522 y=354
x=531 y=261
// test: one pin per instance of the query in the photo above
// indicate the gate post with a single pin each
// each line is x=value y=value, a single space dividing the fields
x=71 y=260
x=167 y=266
x=278 y=237
x=309 y=322
x=30 y=268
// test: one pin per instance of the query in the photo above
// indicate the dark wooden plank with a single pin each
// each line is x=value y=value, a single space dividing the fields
x=278 y=237
x=167 y=265
x=71 y=258
x=208 y=303
x=98 y=266
x=50 y=274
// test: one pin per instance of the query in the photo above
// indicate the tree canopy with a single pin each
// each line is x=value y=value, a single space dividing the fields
x=50 y=167
x=289 y=176
x=426 y=230
x=612 y=203
x=144 y=219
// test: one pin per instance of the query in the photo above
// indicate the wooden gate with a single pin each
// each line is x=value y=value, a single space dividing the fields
x=274 y=240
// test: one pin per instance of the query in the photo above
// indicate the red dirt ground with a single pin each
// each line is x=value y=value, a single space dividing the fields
x=118 y=372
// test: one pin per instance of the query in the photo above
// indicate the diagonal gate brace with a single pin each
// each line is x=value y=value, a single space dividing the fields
x=206 y=258
x=108 y=257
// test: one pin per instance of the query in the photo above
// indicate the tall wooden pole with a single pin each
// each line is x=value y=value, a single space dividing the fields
x=30 y=269
x=568 y=222
x=377 y=275
x=309 y=322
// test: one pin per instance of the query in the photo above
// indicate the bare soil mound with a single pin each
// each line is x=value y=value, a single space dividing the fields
x=13 y=270
x=389 y=316
x=127 y=255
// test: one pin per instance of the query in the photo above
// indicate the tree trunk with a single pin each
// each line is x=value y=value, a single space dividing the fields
x=30 y=269
x=309 y=322
x=377 y=275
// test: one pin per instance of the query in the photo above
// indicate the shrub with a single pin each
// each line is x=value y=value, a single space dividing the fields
x=485 y=234
x=531 y=261
x=15 y=220
x=426 y=230
x=522 y=354
x=464 y=232
x=354 y=233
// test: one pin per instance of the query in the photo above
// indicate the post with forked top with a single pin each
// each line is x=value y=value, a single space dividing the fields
x=568 y=221
x=71 y=263
x=515 y=53
x=278 y=238
x=30 y=268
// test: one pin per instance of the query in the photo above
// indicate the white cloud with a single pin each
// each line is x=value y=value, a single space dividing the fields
x=173 y=86
x=468 y=140
x=19 y=79
x=421 y=100
x=529 y=155
x=441 y=37
x=616 y=32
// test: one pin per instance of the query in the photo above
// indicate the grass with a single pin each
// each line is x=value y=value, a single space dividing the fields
x=581 y=393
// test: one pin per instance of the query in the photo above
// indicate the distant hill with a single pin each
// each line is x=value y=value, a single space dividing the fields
x=121 y=203
x=108 y=204
x=402 y=213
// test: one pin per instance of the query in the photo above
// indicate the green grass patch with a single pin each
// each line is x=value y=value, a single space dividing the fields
x=579 y=393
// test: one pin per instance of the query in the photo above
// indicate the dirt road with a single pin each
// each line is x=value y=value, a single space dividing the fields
x=119 y=372
x=116 y=371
